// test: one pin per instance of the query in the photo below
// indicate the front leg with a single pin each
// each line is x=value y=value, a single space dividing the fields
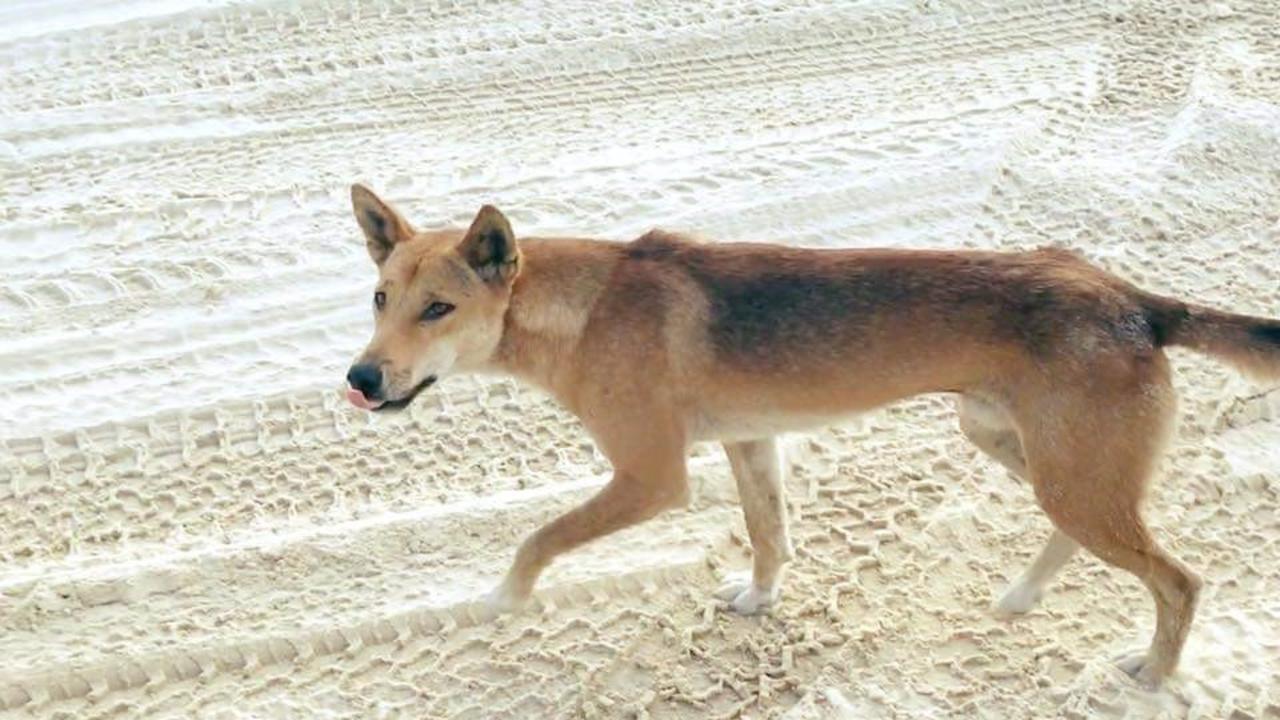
x=757 y=468
x=641 y=488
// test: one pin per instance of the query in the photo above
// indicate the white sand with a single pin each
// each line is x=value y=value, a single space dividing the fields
x=193 y=525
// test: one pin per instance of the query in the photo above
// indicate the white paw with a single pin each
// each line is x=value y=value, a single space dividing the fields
x=744 y=596
x=1141 y=670
x=503 y=600
x=1018 y=599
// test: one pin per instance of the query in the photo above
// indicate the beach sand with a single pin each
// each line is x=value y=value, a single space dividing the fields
x=193 y=524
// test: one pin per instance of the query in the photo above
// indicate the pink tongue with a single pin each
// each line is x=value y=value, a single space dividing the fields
x=357 y=398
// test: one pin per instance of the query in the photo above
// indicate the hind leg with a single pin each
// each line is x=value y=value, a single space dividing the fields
x=993 y=432
x=1173 y=587
x=1023 y=594
x=1090 y=457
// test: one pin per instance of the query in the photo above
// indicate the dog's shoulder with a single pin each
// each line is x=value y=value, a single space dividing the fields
x=658 y=244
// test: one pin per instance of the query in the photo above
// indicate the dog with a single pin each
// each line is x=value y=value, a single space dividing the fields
x=664 y=341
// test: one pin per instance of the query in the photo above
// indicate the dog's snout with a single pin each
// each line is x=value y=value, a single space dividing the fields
x=367 y=378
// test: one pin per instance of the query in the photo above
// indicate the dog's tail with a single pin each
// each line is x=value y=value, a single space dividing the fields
x=1250 y=343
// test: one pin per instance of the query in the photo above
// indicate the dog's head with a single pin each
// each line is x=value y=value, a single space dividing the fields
x=439 y=303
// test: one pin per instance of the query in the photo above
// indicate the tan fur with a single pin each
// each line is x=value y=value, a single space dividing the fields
x=662 y=342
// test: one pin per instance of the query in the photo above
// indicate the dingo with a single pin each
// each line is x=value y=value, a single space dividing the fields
x=663 y=341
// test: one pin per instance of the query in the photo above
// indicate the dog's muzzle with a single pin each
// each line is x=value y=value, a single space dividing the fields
x=365 y=400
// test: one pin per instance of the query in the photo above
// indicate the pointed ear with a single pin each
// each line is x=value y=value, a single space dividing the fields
x=382 y=226
x=489 y=246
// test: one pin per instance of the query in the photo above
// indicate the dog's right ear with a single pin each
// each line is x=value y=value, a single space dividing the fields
x=382 y=226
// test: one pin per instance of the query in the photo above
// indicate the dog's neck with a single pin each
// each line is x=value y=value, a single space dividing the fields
x=551 y=301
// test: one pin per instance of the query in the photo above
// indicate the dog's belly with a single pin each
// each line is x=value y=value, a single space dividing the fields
x=738 y=427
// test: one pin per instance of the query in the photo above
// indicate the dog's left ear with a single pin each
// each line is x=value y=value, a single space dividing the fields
x=489 y=247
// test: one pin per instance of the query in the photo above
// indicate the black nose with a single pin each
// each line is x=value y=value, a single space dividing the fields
x=367 y=378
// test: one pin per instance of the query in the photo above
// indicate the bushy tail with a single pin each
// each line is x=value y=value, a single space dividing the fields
x=1250 y=343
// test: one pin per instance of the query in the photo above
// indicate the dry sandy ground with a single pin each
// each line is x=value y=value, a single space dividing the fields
x=193 y=525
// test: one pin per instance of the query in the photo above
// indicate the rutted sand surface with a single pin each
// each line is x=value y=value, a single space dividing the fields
x=193 y=525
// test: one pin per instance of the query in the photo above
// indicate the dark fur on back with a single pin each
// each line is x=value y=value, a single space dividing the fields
x=1266 y=331
x=819 y=299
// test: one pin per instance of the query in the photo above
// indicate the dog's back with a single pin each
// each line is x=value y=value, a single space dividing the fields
x=833 y=330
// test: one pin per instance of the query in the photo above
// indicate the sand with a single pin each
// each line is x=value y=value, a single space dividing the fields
x=193 y=524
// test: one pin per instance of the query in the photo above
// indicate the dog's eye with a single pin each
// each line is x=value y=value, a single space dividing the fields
x=379 y=299
x=436 y=310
